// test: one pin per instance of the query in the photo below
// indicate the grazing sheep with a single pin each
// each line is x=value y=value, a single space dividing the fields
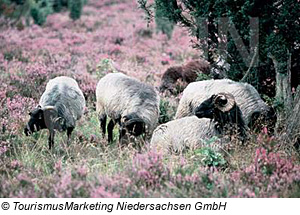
x=186 y=73
x=128 y=102
x=60 y=106
x=246 y=96
x=217 y=116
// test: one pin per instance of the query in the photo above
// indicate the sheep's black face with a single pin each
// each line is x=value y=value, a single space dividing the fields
x=133 y=125
x=206 y=109
x=36 y=121
x=136 y=128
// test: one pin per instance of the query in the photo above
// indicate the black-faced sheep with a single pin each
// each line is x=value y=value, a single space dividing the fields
x=217 y=116
x=246 y=96
x=128 y=102
x=187 y=73
x=60 y=106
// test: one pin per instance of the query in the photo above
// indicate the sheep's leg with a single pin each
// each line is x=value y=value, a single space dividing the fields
x=110 y=128
x=122 y=133
x=69 y=132
x=102 y=119
x=51 y=139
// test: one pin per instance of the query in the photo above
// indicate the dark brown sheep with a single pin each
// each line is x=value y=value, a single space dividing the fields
x=186 y=74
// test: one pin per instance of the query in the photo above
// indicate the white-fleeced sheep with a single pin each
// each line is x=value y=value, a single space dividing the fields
x=181 y=134
x=128 y=102
x=217 y=116
x=60 y=106
x=246 y=96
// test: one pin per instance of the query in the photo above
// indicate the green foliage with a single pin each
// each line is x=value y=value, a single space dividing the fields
x=209 y=156
x=58 y=5
x=279 y=30
x=14 y=54
x=203 y=77
x=18 y=2
x=167 y=112
x=40 y=10
x=278 y=104
x=15 y=9
x=163 y=24
x=75 y=7
x=205 y=156
x=268 y=100
x=105 y=65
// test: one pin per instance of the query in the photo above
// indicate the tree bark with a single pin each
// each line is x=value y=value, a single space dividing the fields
x=251 y=65
x=283 y=92
x=292 y=129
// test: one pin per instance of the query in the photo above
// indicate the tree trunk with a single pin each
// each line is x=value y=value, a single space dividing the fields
x=283 y=93
x=292 y=129
x=283 y=96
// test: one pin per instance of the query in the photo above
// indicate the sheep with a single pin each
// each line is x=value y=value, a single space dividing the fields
x=128 y=102
x=247 y=98
x=187 y=73
x=217 y=116
x=60 y=106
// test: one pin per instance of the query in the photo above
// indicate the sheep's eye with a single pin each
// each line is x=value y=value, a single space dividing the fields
x=29 y=113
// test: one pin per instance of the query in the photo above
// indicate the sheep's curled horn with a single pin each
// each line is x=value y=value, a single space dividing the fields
x=224 y=101
x=132 y=120
x=52 y=121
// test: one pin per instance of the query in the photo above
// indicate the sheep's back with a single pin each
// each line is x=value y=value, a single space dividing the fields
x=246 y=96
x=118 y=95
x=177 y=135
x=65 y=94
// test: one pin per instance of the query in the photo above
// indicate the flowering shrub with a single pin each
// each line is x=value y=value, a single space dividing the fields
x=17 y=107
x=148 y=170
x=270 y=174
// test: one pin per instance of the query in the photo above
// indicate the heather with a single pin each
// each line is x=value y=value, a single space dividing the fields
x=111 y=36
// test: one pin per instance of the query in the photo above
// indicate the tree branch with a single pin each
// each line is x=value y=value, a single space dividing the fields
x=147 y=9
x=251 y=65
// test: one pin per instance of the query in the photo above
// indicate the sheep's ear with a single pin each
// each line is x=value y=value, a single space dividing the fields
x=213 y=97
x=37 y=112
x=224 y=101
x=50 y=116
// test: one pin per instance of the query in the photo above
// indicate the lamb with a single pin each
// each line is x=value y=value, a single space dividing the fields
x=246 y=96
x=60 y=106
x=186 y=73
x=219 y=116
x=128 y=102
